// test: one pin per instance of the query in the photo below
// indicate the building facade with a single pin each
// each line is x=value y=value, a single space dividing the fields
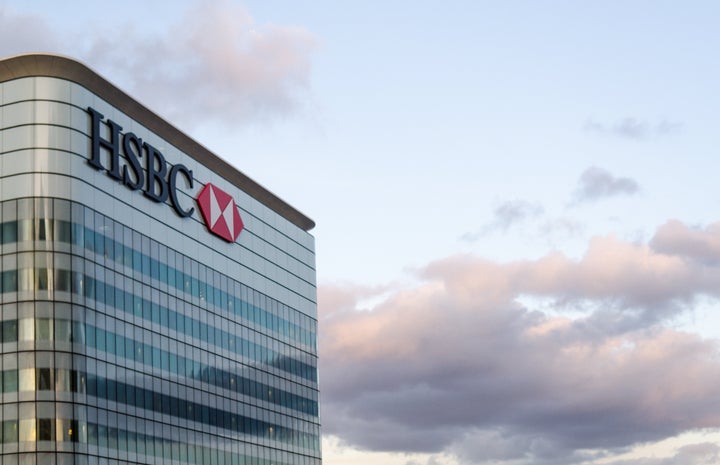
x=158 y=306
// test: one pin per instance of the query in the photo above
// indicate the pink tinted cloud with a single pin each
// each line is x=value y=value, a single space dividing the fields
x=216 y=64
x=631 y=274
x=459 y=356
x=679 y=239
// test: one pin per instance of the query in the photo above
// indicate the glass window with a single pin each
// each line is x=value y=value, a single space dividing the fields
x=113 y=438
x=62 y=212
x=9 y=232
x=25 y=217
x=44 y=329
x=44 y=429
x=63 y=380
x=27 y=329
x=62 y=280
x=78 y=332
x=92 y=434
x=123 y=441
x=109 y=245
x=67 y=430
x=120 y=346
x=10 y=381
x=156 y=357
x=9 y=331
x=63 y=330
x=102 y=436
x=44 y=379
x=27 y=430
x=63 y=231
x=155 y=313
x=43 y=229
x=10 y=431
x=27 y=379
x=9 y=281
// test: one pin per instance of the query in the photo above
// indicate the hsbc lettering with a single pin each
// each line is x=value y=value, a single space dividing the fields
x=158 y=182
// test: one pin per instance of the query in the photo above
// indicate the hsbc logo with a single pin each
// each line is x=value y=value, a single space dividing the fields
x=218 y=210
x=121 y=156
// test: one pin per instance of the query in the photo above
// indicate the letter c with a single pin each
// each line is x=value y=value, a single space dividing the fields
x=172 y=184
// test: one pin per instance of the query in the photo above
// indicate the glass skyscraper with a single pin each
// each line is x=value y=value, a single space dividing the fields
x=158 y=306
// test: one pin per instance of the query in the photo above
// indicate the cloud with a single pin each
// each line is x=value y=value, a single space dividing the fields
x=458 y=365
x=693 y=243
x=216 y=64
x=342 y=297
x=633 y=128
x=692 y=454
x=596 y=183
x=507 y=215
x=23 y=33
x=510 y=213
x=562 y=227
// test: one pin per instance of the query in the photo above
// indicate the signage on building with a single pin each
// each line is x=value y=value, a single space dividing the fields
x=220 y=213
x=159 y=181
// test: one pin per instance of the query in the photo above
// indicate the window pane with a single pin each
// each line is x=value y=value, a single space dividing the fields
x=62 y=330
x=44 y=429
x=9 y=232
x=10 y=382
x=10 y=431
x=9 y=331
x=43 y=329
x=44 y=381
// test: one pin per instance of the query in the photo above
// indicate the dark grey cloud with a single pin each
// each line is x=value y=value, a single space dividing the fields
x=458 y=365
x=634 y=128
x=596 y=183
x=216 y=64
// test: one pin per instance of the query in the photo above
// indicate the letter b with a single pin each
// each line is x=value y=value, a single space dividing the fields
x=156 y=187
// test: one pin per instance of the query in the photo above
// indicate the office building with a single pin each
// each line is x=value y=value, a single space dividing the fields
x=158 y=306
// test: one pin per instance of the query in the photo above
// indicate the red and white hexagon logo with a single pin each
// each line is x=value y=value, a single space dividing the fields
x=219 y=212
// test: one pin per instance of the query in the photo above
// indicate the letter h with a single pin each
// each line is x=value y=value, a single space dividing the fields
x=112 y=145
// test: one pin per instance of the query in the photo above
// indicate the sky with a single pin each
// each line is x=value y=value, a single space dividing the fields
x=518 y=231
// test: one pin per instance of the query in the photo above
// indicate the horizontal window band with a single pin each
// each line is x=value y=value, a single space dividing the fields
x=48 y=229
x=110 y=437
x=60 y=280
x=151 y=356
